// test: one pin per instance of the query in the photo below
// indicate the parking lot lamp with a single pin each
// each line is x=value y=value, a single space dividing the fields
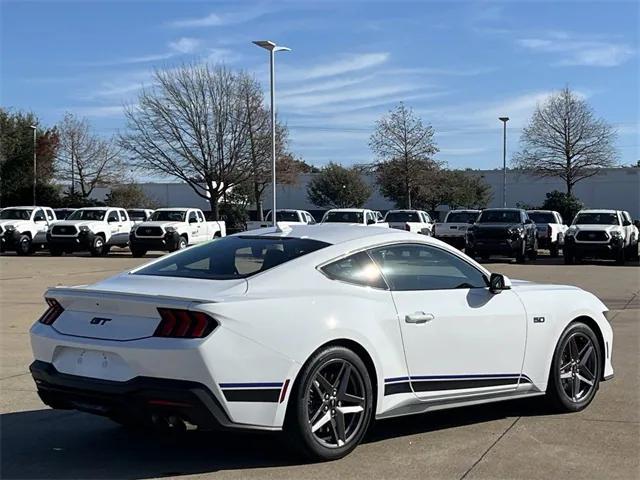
x=273 y=48
x=35 y=130
x=504 y=121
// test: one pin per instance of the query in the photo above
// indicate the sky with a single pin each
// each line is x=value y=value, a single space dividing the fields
x=460 y=65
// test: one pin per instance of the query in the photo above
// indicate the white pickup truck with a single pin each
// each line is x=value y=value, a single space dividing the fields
x=416 y=221
x=608 y=234
x=284 y=216
x=550 y=228
x=24 y=229
x=171 y=229
x=92 y=229
x=359 y=216
x=454 y=228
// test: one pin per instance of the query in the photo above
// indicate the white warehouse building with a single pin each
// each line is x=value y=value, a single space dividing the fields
x=615 y=188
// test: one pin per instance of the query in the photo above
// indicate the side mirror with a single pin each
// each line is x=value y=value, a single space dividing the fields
x=626 y=223
x=370 y=221
x=498 y=282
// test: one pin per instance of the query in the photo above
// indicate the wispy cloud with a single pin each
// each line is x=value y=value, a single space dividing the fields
x=221 y=19
x=182 y=46
x=346 y=64
x=579 y=51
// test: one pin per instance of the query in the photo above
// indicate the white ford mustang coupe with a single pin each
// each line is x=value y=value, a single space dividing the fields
x=316 y=330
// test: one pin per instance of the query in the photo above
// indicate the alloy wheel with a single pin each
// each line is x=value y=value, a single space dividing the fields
x=335 y=403
x=579 y=367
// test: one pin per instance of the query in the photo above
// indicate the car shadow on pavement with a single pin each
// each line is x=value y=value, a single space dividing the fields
x=67 y=444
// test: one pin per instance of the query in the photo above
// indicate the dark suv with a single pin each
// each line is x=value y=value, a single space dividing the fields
x=503 y=231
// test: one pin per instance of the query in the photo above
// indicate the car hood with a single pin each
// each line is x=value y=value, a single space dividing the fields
x=13 y=222
x=157 y=224
x=79 y=223
x=595 y=227
x=496 y=226
x=524 y=285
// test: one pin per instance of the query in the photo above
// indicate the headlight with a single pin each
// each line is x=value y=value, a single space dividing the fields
x=570 y=232
x=9 y=228
x=616 y=234
x=170 y=229
x=84 y=228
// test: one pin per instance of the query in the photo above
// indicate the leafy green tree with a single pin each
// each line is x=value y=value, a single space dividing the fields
x=564 y=203
x=338 y=187
x=16 y=159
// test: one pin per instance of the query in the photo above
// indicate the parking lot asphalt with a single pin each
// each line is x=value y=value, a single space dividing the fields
x=516 y=439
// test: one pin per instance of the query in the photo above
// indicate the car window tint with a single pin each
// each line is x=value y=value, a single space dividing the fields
x=113 y=217
x=192 y=217
x=200 y=216
x=423 y=267
x=358 y=269
x=38 y=216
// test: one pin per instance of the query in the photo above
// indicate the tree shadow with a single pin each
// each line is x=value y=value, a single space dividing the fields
x=67 y=444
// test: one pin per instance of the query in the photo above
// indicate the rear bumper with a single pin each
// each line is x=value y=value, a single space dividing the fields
x=139 y=398
x=168 y=242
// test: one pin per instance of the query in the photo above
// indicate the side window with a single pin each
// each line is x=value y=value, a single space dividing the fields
x=200 y=216
x=123 y=216
x=38 y=216
x=559 y=218
x=113 y=217
x=192 y=217
x=357 y=269
x=50 y=214
x=423 y=267
x=427 y=218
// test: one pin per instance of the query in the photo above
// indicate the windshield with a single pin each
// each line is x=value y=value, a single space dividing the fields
x=232 y=257
x=402 y=217
x=461 y=217
x=136 y=214
x=284 y=216
x=15 y=214
x=95 y=215
x=596 y=219
x=168 y=216
x=499 y=216
x=343 y=217
x=542 y=217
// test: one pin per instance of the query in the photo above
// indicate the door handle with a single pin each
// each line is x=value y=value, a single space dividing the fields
x=419 y=317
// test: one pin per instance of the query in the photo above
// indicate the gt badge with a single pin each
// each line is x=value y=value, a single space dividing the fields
x=99 y=321
x=538 y=319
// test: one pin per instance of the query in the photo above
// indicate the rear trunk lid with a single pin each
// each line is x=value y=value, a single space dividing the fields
x=125 y=307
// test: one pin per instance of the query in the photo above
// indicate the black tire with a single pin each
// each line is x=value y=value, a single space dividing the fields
x=98 y=246
x=521 y=254
x=308 y=403
x=620 y=256
x=55 y=251
x=574 y=393
x=182 y=243
x=533 y=253
x=24 y=247
x=569 y=257
x=138 y=252
x=470 y=252
x=553 y=251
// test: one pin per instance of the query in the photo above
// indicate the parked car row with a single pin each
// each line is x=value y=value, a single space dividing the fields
x=513 y=232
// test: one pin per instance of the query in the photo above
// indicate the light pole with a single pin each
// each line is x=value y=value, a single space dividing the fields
x=35 y=130
x=273 y=48
x=504 y=121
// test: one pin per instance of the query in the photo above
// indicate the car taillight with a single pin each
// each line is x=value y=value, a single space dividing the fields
x=52 y=313
x=177 y=323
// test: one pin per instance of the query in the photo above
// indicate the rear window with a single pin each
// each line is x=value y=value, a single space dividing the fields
x=232 y=257
x=343 y=217
x=403 y=217
x=542 y=217
x=461 y=217
x=500 y=216
x=284 y=216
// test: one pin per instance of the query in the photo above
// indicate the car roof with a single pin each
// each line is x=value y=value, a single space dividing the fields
x=348 y=210
x=598 y=210
x=329 y=232
x=502 y=208
x=176 y=209
x=24 y=207
x=405 y=210
x=541 y=211
x=96 y=208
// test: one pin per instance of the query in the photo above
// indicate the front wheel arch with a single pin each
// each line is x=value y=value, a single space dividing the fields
x=359 y=350
x=591 y=323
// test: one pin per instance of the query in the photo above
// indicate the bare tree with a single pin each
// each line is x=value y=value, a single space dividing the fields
x=193 y=125
x=406 y=147
x=85 y=160
x=564 y=139
x=259 y=129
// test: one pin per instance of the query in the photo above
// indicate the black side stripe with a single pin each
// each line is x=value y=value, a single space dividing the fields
x=454 y=382
x=393 y=388
x=268 y=395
